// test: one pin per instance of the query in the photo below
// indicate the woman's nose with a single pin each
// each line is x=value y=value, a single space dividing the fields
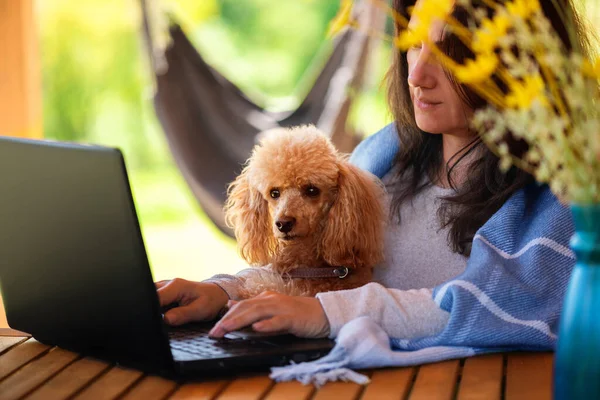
x=421 y=72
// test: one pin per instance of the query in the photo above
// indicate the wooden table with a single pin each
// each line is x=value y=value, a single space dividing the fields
x=31 y=370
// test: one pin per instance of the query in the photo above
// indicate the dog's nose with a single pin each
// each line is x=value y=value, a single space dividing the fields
x=285 y=224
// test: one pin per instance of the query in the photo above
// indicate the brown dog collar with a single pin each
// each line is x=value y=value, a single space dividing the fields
x=321 y=272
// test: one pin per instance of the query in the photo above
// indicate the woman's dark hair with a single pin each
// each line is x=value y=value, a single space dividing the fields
x=487 y=188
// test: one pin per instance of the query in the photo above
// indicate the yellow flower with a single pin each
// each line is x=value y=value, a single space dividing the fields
x=522 y=94
x=429 y=10
x=486 y=38
x=591 y=70
x=478 y=70
x=342 y=19
x=412 y=37
x=423 y=15
x=523 y=8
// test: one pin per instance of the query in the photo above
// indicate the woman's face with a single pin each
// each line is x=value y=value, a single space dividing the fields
x=437 y=106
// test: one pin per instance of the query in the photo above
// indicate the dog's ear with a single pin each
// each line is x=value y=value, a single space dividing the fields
x=246 y=211
x=354 y=232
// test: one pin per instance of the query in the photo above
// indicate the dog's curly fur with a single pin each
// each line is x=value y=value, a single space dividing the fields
x=341 y=225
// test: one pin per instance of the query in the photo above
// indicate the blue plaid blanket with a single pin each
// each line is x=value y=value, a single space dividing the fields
x=508 y=298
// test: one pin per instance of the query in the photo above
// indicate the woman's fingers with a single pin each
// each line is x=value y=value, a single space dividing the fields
x=169 y=293
x=160 y=284
x=196 y=301
x=244 y=313
x=277 y=324
x=177 y=291
x=275 y=313
x=237 y=321
x=188 y=313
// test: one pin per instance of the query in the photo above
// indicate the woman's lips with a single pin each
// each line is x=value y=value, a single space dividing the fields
x=426 y=105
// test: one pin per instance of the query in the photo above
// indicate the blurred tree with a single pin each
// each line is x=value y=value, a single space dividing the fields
x=69 y=96
x=265 y=46
x=96 y=87
x=94 y=83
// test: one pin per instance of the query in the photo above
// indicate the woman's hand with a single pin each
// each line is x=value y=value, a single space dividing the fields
x=197 y=301
x=275 y=313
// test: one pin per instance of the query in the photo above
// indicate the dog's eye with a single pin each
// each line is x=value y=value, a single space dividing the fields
x=274 y=193
x=312 y=191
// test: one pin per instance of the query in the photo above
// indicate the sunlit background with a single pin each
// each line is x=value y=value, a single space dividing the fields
x=97 y=87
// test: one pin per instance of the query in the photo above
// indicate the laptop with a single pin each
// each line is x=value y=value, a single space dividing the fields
x=74 y=271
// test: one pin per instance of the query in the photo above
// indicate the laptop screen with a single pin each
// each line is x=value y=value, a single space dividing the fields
x=74 y=270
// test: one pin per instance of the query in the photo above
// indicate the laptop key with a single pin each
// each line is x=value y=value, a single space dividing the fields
x=199 y=343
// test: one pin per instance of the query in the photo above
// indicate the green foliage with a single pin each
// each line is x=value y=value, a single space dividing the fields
x=265 y=46
x=97 y=86
x=93 y=61
x=93 y=76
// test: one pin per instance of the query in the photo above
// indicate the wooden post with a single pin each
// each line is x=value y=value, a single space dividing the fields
x=3 y=321
x=20 y=88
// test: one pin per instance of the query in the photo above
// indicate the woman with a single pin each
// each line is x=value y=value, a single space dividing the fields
x=444 y=185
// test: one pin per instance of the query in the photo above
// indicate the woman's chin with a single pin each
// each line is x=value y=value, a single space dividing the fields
x=429 y=123
x=430 y=128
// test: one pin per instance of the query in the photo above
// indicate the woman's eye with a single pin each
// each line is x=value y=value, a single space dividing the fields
x=312 y=191
x=274 y=193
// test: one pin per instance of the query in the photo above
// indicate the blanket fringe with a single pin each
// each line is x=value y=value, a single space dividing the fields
x=326 y=369
x=282 y=374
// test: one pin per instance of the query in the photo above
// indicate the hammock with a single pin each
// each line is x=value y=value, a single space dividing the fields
x=211 y=125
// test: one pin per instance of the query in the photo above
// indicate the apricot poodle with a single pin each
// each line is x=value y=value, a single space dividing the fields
x=302 y=211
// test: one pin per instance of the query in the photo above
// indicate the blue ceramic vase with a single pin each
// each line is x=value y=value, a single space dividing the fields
x=577 y=360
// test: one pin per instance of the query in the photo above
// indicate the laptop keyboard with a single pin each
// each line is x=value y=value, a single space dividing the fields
x=197 y=342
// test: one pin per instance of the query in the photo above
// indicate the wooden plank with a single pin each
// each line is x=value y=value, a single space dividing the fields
x=529 y=376
x=339 y=391
x=481 y=378
x=247 y=388
x=150 y=388
x=13 y=332
x=70 y=380
x=290 y=391
x=20 y=355
x=436 y=381
x=199 y=391
x=8 y=342
x=389 y=384
x=35 y=373
x=112 y=384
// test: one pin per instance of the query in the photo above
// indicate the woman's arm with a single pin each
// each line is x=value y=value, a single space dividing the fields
x=403 y=314
x=231 y=284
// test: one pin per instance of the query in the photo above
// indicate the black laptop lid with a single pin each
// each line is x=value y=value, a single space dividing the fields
x=73 y=269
